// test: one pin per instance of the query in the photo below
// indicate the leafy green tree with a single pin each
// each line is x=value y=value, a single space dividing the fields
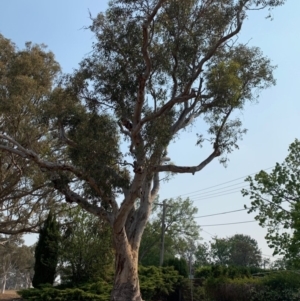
x=244 y=251
x=86 y=249
x=237 y=250
x=22 y=272
x=179 y=265
x=180 y=229
x=157 y=67
x=220 y=251
x=46 y=252
x=275 y=198
x=26 y=80
x=9 y=258
x=202 y=255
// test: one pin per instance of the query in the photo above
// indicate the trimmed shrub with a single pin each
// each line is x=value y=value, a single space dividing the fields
x=99 y=291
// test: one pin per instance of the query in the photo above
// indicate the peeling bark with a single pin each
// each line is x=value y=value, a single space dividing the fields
x=126 y=283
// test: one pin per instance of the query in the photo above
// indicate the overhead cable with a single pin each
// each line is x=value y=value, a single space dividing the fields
x=222 y=183
x=245 y=222
x=226 y=212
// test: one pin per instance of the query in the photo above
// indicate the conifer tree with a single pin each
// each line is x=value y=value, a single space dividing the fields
x=46 y=252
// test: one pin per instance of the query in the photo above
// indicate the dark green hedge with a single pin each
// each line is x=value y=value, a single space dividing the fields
x=157 y=283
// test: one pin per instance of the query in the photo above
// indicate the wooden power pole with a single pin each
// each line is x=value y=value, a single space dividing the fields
x=163 y=228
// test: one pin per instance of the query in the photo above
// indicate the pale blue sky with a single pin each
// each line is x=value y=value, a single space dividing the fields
x=273 y=123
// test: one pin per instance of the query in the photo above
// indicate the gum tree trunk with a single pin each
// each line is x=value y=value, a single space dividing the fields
x=126 y=282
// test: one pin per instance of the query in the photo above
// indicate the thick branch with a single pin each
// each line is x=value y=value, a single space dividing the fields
x=84 y=204
x=187 y=169
x=165 y=108
x=51 y=166
x=128 y=203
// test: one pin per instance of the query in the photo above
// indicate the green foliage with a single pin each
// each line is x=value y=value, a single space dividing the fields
x=181 y=232
x=275 y=198
x=226 y=289
x=86 y=249
x=202 y=255
x=54 y=294
x=26 y=80
x=158 y=282
x=155 y=68
x=179 y=265
x=237 y=250
x=220 y=283
x=231 y=272
x=46 y=253
x=279 y=286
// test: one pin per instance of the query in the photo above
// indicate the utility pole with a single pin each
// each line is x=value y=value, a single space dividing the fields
x=163 y=228
x=190 y=275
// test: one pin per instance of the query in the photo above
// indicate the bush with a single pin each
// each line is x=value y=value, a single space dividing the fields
x=236 y=284
x=99 y=291
x=279 y=286
x=179 y=265
x=157 y=283
x=227 y=289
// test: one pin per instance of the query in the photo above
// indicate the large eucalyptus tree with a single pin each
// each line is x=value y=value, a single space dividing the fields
x=157 y=66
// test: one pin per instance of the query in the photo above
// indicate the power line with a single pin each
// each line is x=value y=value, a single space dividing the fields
x=216 y=196
x=226 y=212
x=232 y=190
x=223 y=183
x=213 y=191
x=245 y=222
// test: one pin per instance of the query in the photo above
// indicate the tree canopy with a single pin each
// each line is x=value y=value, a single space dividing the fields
x=26 y=80
x=275 y=198
x=102 y=133
x=237 y=250
x=181 y=231
x=86 y=253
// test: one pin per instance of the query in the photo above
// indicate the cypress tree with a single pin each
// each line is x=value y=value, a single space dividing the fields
x=46 y=253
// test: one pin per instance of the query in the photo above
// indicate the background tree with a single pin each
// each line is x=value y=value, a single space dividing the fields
x=237 y=250
x=180 y=229
x=26 y=79
x=21 y=272
x=275 y=197
x=244 y=251
x=157 y=66
x=86 y=249
x=202 y=255
x=8 y=259
x=220 y=251
x=46 y=252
